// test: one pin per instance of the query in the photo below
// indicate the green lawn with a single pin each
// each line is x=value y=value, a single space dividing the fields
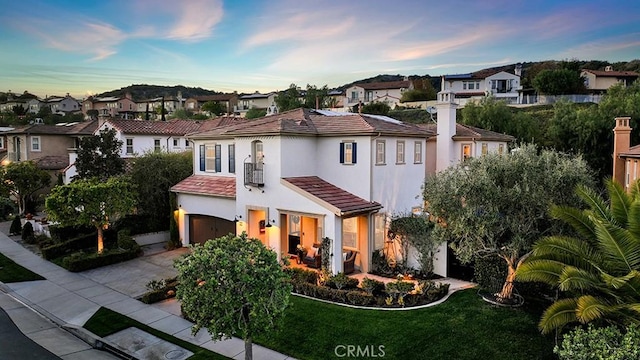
x=106 y=322
x=12 y=272
x=463 y=327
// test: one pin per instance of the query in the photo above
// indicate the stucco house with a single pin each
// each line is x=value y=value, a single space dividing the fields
x=625 y=156
x=388 y=92
x=229 y=101
x=598 y=81
x=256 y=101
x=473 y=86
x=111 y=106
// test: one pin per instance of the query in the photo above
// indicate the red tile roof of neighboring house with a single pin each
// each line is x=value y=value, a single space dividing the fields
x=172 y=127
x=218 y=186
x=384 y=85
x=315 y=123
x=464 y=132
x=217 y=97
x=603 y=73
x=52 y=162
x=80 y=128
x=340 y=201
x=633 y=152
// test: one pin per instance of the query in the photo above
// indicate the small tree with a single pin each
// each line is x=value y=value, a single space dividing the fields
x=99 y=156
x=214 y=108
x=24 y=178
x=376 y=108
x=233 y=285
x=91 y=202
x=416 y=231
x=255 y=113
x=289 y=99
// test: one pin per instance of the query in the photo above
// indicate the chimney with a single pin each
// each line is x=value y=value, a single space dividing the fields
x=621 y=144
x=446 y=154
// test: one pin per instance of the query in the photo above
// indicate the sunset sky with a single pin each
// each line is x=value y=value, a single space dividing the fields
x=88 y=47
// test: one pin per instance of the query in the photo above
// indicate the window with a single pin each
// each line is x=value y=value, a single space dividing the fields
x=175 y=143
x=186 y=143
x=485 y=148
x=212 y=157
x=129 y=146
x=348 y=152
x=417 y=152
x=501 y=149
x=156 y=145
x=232 y=158
x=35 y=143
x=399 y=152
x=380 y=152
x=1 y=142
x=257 y=152
x=350 y=233
x=466 y=151
x=471 y=85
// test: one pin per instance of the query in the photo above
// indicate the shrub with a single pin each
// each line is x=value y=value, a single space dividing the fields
x=490 y=272
x=83 y=242
x=16 y=226
x=360 y=298
x=64 y=233
x=7 y=207
x=81 y=261
x=600 y=343
x=27 y=233
x=126 y=241
x=341 y=281
x=160 y=290
x=372 y=286
x=300 y=275
x=399 y=289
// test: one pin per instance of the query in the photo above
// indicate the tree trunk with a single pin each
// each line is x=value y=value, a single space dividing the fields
x=507 y=288
x=100 y=240
x=248 y=349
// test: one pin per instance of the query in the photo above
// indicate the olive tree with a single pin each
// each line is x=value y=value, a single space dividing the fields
x=91 y=202
x=498 y=205
x=233 y=286
x=22 y=179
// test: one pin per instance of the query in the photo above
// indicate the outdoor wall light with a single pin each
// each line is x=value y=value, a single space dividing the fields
x=237 y=218
x=269 y=223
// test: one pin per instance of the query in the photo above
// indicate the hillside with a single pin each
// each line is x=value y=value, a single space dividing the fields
x=144 y=91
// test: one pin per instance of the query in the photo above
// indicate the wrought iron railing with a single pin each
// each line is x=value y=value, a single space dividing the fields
x=254 y=174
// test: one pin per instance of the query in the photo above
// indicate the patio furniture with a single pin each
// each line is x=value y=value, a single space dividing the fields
x=312 y=258
x=348 y=265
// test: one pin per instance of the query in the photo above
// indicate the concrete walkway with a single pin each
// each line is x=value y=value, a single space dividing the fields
x=70 y=299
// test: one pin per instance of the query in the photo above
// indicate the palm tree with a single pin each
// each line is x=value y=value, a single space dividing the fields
x=598 y=271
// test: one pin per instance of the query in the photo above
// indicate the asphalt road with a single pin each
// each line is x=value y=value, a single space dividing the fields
x=14 y=345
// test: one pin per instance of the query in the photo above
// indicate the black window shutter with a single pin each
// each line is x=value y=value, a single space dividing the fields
x=218 y=158
x=202 y=167
x=341 y=153
x=354 y=154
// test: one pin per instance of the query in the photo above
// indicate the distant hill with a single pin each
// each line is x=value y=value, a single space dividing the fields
x=144 y=91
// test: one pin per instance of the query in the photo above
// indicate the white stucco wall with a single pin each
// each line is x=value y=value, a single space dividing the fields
x=354 y=178
x=189 y=204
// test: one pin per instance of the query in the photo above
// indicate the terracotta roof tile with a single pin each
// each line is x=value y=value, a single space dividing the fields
x=384 y=85
x=178 y=127
x=81 y=128
x=210 y=185
x=52 y=162
x=612 y=73
x=467 y=132
x=342 y=201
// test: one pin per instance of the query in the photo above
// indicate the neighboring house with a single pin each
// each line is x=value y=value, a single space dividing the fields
x=625 y=156
x=256 y=101
x=299 y=176
x=16 y=100
x=62 y=105
x=3 y=144
x=111 y=107
x=388 y=92
x=152 y=106
x=229 y=101
x=474 y=86
x=598 y=82
x=336 y=100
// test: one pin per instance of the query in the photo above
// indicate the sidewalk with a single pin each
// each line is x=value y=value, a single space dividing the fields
x=70 y=299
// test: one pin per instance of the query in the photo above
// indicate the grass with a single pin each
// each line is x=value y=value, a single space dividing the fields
x=106 y=322
x=12 y=272
x=463 y=327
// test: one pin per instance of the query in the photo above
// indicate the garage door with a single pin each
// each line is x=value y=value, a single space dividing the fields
x=203 y=228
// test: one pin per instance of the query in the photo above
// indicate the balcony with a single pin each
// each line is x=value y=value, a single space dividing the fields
x=254 y=174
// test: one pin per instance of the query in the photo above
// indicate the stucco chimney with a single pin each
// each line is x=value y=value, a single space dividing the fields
x=445 y=152
x=621 y=144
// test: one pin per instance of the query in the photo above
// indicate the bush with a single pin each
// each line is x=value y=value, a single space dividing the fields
x=300 y=275
x=126 y=241
x=372 y=286
x=600 y=343
x=64 y=233
x=490 y=272
x=360 y=298
x=27 y=233
x=7 y=207
x=83 y=242
x=81 y=261
x=341 y=281
x=160 y=291
x=16 y=226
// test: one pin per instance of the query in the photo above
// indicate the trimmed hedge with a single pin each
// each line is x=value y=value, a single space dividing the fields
x=162 y=294
x=82 y=242
x=81 y=261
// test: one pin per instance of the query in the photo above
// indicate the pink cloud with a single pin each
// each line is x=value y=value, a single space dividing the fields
x=196 y=20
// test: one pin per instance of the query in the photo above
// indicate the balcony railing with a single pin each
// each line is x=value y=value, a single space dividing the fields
x=254 y=174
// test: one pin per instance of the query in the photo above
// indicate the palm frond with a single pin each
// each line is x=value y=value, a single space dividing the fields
x=620 y=202
x=558 y=314
x=633 y=222
x=573 y=278
x=618 y=248
x=590 y=308
x=567 y=250
x=598 y=206
x=546 y=271
x=634 y=190
x=618 y=282
x=576 y=218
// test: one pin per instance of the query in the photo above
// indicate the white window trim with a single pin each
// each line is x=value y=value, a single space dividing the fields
x=39 y=144
x=159 y=147
x=417 y=152
x=348 y=160
x=400 y=154
x=382 y=161
x=207 y=159
x=462 y=151
x=126 y=146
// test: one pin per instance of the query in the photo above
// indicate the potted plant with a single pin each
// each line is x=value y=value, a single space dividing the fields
x=300 y=252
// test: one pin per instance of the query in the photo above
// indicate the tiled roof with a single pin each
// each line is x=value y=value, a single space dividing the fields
x=209 y=185
x=464 y=132
x=81 y=128
x=170 y=128
x=313 y=123
x=633 y=152
x=52 y=162
x=217 y=97
x=340 y=201
x=612 y=73
x=384 y=85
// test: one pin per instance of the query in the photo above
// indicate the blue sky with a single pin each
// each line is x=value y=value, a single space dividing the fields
x=88 y=47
